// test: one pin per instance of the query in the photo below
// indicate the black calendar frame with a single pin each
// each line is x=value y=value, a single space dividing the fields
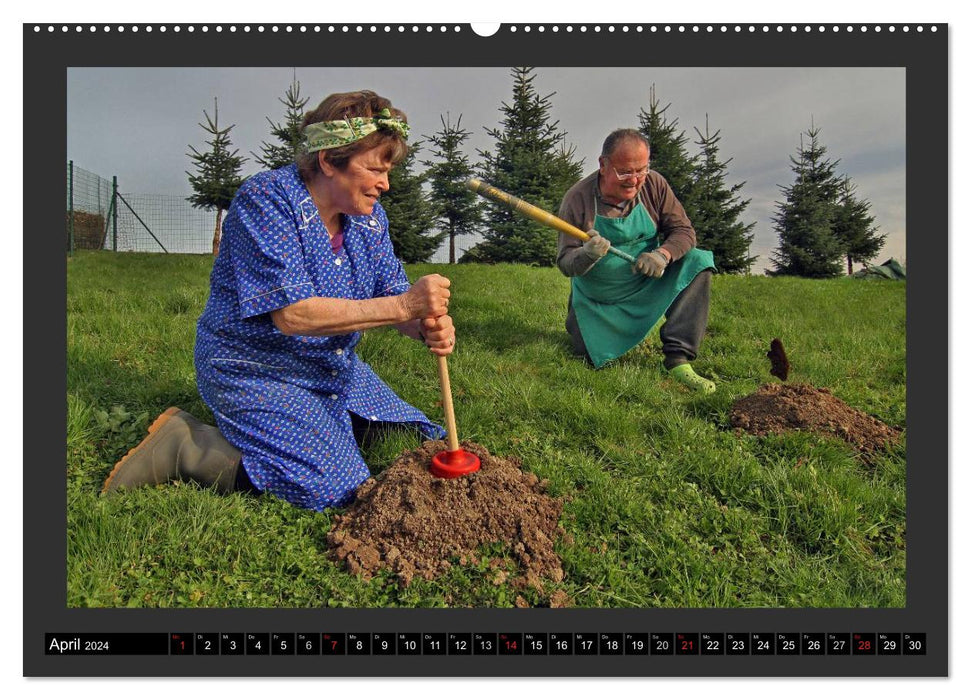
x=924 y=55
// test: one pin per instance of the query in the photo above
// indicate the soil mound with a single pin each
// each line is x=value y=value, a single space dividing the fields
x=778 y=408
x=412 y=523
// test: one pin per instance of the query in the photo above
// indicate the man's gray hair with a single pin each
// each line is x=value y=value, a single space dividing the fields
x=618 y=136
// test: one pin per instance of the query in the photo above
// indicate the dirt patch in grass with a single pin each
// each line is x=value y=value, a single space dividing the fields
x=415 y=524
x=778 y=408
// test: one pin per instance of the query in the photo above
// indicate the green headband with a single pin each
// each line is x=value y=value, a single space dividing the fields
x=320 y=136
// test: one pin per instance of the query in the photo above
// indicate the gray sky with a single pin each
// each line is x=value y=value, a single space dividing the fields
x=137 y=123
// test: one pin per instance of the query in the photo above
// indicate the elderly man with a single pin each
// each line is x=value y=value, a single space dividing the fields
x=614 y=305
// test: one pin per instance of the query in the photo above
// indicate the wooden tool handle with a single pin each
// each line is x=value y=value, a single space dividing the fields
x=534 y=213
x=453 y=438
x=525 y=208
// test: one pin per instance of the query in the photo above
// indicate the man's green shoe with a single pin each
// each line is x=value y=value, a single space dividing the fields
x=686 y=374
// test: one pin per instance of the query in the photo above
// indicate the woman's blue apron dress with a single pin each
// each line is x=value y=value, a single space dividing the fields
x=615 y=308
x=283 y=401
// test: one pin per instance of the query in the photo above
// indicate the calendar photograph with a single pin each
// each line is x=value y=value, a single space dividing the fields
x=486 y=337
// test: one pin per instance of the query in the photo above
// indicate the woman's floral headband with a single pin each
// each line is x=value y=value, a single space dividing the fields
x=321 y=136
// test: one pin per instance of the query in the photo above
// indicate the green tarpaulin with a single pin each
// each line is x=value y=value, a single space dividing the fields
x=891 y=270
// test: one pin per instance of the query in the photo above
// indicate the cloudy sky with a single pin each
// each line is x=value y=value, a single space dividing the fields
x=137 y=123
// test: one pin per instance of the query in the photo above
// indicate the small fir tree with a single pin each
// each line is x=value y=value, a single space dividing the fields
x=532 y=161
x=853 y=226
x=217 y=175
x=410 y=214
x=669 y=156
x=288 y=133
x=808 y=246
x=718 y=209
x=457 y=208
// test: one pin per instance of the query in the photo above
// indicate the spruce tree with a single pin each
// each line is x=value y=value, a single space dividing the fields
x=718 y=208
x=669 y=156
x=853 y=226
x=457 y=209
x=288 y=133
x=532 y=161
x=808 y=246
x=410 y=214
x=217 y=174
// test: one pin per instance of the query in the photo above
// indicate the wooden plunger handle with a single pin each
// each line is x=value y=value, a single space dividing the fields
x=535 y=213
x=453 y=438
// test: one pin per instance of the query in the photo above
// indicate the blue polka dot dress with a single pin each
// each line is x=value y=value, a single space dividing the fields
x=285 y=401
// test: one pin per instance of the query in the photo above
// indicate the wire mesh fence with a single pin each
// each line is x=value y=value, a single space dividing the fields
x=157 y=223
x=88 y=202
x=101 y=217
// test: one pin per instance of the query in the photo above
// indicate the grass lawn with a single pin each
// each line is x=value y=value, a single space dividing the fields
x=665 y=506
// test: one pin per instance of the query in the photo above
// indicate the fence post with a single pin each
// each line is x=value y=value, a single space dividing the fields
x=114 y=208
x=70 y=228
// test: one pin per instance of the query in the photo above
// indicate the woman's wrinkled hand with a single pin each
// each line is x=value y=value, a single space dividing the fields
x=439 y=334
x=427 y=298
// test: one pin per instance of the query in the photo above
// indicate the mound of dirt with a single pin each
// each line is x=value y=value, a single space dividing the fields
x=778 y=408
x=413 y=523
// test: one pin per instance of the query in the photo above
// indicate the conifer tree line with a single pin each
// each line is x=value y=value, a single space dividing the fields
x=824 y=226
x=821 y=223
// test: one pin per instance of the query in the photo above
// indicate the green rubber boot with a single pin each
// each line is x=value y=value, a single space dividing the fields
x=686 y=374
x=178 y=446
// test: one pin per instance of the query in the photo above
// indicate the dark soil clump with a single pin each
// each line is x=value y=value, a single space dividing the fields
x=414 y=524
x=778 y=408
x=780 y=362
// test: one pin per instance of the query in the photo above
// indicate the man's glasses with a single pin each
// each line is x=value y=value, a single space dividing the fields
x=630 y=174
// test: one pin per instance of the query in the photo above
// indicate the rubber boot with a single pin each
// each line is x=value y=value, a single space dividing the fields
x=178 y=446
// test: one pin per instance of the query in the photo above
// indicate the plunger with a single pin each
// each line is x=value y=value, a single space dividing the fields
x=455 y=461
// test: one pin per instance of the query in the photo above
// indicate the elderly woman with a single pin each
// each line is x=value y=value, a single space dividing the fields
x=305 y=265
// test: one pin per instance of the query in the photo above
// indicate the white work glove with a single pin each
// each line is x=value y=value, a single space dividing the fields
x=596 y=246
x=651 y=264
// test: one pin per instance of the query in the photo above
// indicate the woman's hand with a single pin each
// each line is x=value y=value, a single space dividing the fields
x=439 y=334
x=427 y=298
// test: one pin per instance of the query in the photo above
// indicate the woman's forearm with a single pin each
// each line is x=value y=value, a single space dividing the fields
x=427 y=298
x=330 y=316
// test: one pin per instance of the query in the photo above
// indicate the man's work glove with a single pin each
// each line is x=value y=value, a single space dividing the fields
x=597 y=246
x=651 y=264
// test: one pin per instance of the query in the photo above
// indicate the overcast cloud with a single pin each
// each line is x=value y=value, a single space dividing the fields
x=137 y=123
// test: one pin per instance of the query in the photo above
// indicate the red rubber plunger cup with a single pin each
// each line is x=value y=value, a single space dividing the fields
x=455 y=461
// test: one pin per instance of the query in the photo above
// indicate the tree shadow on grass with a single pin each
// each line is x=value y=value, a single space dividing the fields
x=504 y=334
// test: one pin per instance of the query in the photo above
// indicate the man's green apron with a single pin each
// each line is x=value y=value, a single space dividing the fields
x=616 y=308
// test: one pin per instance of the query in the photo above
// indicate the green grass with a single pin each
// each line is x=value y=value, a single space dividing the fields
x=665 y=507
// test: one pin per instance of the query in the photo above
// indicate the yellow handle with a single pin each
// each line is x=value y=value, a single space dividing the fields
x=453 y=439
x=525 y=208
x=536 y=214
